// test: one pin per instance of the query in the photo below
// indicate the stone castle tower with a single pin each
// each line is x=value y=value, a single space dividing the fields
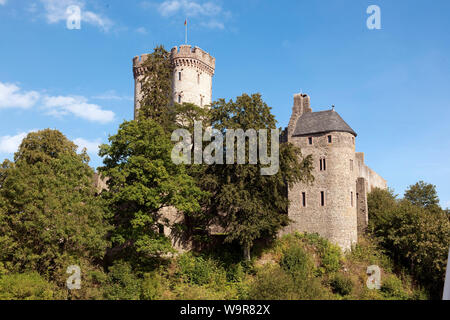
x=193 y=70
x=335 y=205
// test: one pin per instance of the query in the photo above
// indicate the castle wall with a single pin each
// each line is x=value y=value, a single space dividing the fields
x=361 y=205
x=374 y=180
x=337 y=219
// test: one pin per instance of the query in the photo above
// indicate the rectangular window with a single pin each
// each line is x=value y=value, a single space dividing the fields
x=310 y=140
x=351 y=165
x=179 y=98
x=179 y=76
x=322 y=198
x=329 y=139
x=304 y=199
x=351 y=198
x=198 y=78
x=323 y=164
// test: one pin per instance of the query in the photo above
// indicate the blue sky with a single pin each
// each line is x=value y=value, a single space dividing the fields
x=392 y=86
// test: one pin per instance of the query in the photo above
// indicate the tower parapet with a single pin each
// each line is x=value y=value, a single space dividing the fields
x=193 y=70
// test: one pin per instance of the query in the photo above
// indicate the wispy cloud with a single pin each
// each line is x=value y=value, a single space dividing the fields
x=112 y=95
x=2 y=2
x=78 y=106
x=141 y=30
x=56 y=11
x=10 y=144
x=11 y=96
x=91 y=146
x=211 y=11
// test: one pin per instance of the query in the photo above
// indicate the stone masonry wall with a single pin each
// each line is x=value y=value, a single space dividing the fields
x=337 y=219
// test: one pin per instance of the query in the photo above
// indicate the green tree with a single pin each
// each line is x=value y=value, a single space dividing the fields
x=247 y=204
x=417 y=238
x=423 y=195
x=142 y=181
x=50 y=216
x=156 y=89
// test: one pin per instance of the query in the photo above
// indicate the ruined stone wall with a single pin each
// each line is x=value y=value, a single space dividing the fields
x=361 y=205
x=374 y=180
x=337 y=219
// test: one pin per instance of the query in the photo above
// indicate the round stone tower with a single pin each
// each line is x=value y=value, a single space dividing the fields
x=193 y=70
x=329 y=205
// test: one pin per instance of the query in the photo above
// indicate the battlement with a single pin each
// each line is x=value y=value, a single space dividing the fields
x=187 y=52
x=138 y=61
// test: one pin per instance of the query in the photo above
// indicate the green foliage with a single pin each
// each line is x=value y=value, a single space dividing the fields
x=49 y=213
x=416 y=237
x=341 y=284
x=423 y=195
x=297 y=263
x=156 y=89
x=143 y=180
x=273 y=284
x=27 y=286
x=392 y=288
x=152 y=286
x=247 y=204
x=122 y=283
x=197 y=270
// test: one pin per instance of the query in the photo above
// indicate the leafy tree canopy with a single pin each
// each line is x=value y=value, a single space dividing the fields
x=422 y=194
x=49 y=214
x=142 y=181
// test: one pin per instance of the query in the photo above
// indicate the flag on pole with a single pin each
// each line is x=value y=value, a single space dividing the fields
x=185 y=27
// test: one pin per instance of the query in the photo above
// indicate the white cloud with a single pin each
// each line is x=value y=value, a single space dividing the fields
x=78 y=106
x=12 y=97
x=10 y=144
x=55 y=11
x=141 y=30
x=91 y=146
x=192 y=8
x=112 y=95
x=2 y=2
x=213 y=24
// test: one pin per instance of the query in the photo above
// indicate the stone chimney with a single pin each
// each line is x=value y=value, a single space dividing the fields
x=301 y=105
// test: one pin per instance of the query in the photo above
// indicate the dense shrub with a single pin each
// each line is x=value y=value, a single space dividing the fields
x=273 y=284
x=122 y=283
x=341 y=284
x=416 y=238
x=297 y=263
x=27 y=286
x=392 y=288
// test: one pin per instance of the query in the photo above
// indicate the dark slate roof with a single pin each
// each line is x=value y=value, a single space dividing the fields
x=321 y=122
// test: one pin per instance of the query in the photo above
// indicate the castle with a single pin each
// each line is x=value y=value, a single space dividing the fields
x=335 y=205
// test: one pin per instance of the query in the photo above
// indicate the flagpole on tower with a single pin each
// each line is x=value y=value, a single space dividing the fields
x=186 y=33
